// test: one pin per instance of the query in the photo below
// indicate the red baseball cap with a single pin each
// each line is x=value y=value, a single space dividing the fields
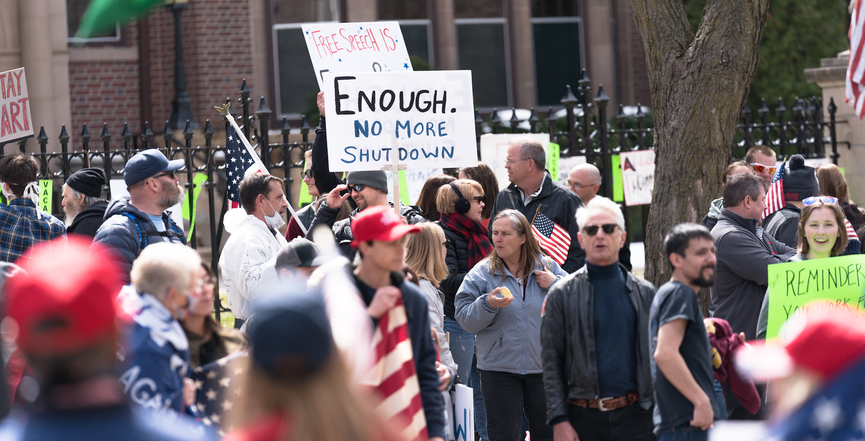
x=66 y=300
x=379 y=223
x=825 y=339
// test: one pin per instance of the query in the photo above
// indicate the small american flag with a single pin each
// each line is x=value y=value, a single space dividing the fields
x=855 y=67
x=240 y=161
x=217 y=389
x=394 y=376
x=554 y=239
x=851 y=233
x=775 y=196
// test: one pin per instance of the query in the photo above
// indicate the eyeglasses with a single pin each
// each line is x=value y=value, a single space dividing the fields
x=306 y=174
x=478 y=199
x=824 y=199
x=510 y=162
x=169 y=174
x=760 y=168
x=592 y=230
x=574 y=184
x=356 y=187
x=447 y=245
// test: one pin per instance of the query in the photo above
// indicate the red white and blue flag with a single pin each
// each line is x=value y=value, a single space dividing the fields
x=855 y=67
x=240 y=161
x=775 y=196
x=554 y=239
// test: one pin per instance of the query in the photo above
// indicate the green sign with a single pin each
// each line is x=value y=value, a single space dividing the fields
x=404 y=196
x=45 y=195
x=198 y=181
x=618 y=190
x=553 y=154
x=793 y=285
x=304 y=197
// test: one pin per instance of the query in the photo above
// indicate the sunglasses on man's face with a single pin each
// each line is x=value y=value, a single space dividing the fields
x=356 y=187
x=592 y=230
x=829 y=200
x=760 y=168
x=169 y=174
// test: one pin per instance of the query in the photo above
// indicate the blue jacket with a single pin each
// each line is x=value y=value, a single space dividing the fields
x=158 y=360
x=127 y=231
x=509 y=338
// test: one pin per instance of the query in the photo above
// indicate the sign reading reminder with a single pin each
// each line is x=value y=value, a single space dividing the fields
x=355 y=47
x=795 y=284
x=431 y=114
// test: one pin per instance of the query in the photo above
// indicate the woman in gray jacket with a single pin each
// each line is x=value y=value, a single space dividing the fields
x=501 y=300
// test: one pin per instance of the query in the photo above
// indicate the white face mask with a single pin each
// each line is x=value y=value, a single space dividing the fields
x=6 y=193
x=274 y=221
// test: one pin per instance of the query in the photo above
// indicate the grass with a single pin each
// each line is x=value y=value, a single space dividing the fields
x=226 y=317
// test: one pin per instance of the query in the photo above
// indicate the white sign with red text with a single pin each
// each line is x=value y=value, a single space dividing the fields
x=15 y=121
x=638 y=176
x=356 y=47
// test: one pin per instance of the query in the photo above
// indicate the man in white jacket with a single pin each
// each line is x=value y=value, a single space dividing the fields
x=249 y=257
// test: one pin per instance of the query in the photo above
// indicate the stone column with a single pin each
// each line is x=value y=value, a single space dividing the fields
x=10 y=47
x=830 y=76
x=600 y=65
x=45 y=56
x=441 y=14
x=519 y=15
x=361 y=10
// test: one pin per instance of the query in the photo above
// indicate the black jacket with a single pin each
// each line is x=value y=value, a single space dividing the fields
x=457 y=259
x=568 y=341
x=741 y=277
x=342 y=229
x=89 y=220
x=557 y=203
x=784 y=225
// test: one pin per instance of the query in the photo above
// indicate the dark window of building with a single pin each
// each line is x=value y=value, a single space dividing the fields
x=482 y=48
x=416 y=34
x=554 y=8
x=478 y=9
x=558 y=57
x=296 y=85
x=74 y=12
x=304 y=11
x=401 y=10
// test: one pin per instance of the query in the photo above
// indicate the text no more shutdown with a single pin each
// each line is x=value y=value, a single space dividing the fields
x=423 y=101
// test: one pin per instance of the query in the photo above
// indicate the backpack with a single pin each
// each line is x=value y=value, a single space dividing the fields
x=143 y=236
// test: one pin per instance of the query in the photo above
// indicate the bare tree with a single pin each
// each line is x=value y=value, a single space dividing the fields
x=699 y=84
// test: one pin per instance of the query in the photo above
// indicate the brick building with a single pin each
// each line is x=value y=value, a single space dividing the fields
x=522 y=51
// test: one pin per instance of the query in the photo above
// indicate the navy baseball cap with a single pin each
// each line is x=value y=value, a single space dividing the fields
x=148 y=163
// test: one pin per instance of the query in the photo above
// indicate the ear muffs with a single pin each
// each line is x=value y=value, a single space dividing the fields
x=462 y=205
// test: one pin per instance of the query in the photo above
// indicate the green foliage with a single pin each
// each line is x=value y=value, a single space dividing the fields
x=797 y=35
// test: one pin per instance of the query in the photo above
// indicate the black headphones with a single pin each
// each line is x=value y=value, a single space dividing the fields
x=462 y=205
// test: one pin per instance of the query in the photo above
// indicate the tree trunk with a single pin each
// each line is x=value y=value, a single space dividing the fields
x=699 y=84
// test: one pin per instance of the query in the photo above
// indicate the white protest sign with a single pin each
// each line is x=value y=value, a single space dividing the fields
x=638 y=176
x=416 y=178
x=15 y=121
x=431 y=114
x=118 y=190
x=566 y=163
x=355 y=47
x=494 y=152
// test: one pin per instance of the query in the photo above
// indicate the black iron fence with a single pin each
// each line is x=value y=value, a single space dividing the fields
x=580 y=127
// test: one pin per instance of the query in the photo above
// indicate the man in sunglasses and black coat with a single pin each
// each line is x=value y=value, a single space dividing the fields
x=595 y=339
x=367 y=189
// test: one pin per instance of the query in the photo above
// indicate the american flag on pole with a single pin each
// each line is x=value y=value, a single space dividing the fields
x=217 y=389
x=855 y=67
x=240 y=160
x=554 y=239
x=775 y=196
x=394 y=377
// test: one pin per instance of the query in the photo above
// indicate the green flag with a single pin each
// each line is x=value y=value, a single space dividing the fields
x=103 y=15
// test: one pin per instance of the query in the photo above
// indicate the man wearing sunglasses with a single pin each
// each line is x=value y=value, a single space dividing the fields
x=138 y=220
x=762 y=159
x=366 y=189
x=595 y=339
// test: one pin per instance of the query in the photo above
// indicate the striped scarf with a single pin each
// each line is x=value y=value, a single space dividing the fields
x=394 y=378
x=476 y=234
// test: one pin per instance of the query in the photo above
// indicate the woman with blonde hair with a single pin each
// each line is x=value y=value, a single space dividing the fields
x=501 y=300
x=425 y=255
x=296 y=386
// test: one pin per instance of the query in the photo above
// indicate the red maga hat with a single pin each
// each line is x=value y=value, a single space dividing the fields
x=66 y=300
x=379 y=223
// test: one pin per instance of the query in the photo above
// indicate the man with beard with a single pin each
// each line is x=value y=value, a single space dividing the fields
x=685 y=404
x=85 y=210
x=138 y=220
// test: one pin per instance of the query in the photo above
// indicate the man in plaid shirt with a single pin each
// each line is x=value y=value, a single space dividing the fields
x=21 y=224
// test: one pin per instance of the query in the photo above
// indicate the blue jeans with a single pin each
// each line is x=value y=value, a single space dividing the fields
x=480 y=410
x=463 y=350
x=719 y=397
x=684 y=434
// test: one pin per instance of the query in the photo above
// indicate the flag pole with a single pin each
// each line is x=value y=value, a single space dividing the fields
x=223 y=110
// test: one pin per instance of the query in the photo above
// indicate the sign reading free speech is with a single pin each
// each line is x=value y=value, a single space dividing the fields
x=431 y=115
x=355 y=47
x=793 y=285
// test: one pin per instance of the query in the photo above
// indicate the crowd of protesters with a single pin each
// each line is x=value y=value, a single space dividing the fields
x=109 y=333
